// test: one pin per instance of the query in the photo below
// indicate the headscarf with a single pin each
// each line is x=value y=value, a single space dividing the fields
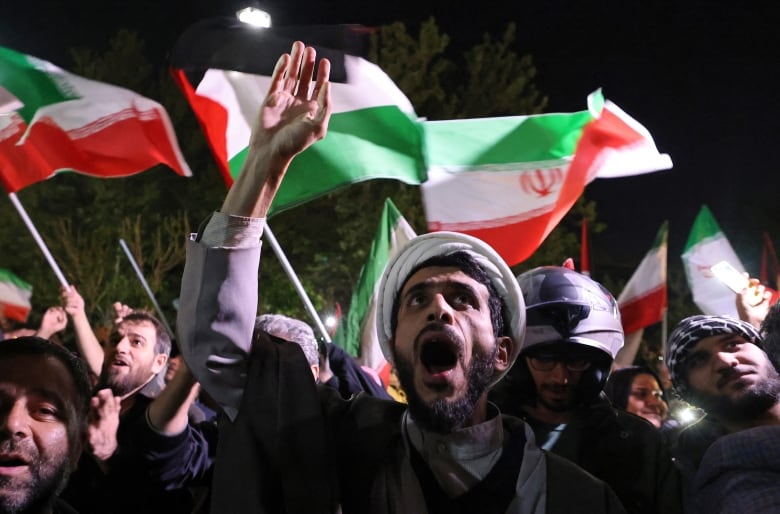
x=693 y=329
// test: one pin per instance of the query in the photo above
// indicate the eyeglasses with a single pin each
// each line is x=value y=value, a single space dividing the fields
x=548 y=363
x=644 y=394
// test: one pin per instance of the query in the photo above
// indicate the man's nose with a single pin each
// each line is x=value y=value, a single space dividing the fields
x=560 y=372
x=15 y=421
x=441 y=310
x=725 y=360
x=123 y=345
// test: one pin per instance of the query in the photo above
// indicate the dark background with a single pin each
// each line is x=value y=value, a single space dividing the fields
x=700 y=75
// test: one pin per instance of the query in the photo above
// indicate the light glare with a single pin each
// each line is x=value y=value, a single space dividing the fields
x=254 y=17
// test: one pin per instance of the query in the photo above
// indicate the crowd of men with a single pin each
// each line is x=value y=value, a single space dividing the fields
x=510 y=406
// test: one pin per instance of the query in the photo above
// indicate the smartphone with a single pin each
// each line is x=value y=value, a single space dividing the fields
x=730 y=276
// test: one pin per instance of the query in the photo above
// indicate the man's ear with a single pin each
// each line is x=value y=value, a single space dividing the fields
x=505 y=349
x=159 y=362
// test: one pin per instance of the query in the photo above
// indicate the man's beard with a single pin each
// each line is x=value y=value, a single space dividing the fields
x=47 y=479
x=444 y=416
x=123 y=384
x=752 y=403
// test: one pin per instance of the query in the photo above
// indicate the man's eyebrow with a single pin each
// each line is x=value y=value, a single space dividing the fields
x=37 y=392
x=452 y=284
x=130 y=333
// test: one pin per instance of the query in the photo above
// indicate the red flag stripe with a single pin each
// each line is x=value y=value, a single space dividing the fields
x=644 y=311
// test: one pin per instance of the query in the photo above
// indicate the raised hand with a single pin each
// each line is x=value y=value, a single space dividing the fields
x=293 y=115
x=103 y=424
x=54 y=320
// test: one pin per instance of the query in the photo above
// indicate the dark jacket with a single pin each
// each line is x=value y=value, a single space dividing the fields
x=623 y=450
x=320 y=451
x=148 y=473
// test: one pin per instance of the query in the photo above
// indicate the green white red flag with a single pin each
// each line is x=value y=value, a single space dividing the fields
x=707 y=245
x=643 y=300
x=507 y=180
x=53 y=121
x=15 y=296
x=357 y=335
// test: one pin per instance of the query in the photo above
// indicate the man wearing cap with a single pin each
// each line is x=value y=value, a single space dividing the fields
x=451 y=317
x=573 y=333
x=724 y=366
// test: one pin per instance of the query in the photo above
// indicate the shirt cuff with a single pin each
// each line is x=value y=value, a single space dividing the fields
x=232 y=232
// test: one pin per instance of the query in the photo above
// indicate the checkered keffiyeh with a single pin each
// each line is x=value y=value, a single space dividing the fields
x=692 y=330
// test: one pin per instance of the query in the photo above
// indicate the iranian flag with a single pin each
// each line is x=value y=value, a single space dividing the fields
x=358 y=334
x=707 y=245
x=61 y=121
x=15 y=296
x=506 y=180
x=643 y=300
x=224 y=67
x=509 y=181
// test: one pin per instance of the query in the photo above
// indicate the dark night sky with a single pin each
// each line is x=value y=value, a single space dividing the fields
x=700 y=75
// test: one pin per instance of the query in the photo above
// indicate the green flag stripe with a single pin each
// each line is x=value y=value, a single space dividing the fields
x=504 y=140
x=380 y=142
x=704 y=227
x=348 y=335
x=662 y=236
x=7 y=276
x=36 y=88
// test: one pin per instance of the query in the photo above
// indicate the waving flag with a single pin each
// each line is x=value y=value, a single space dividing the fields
x=643 y=300
x=509 y=181
x=56 y=121
x=15 y=296
x=358 y=335
x=707 y=245
x=373 y=132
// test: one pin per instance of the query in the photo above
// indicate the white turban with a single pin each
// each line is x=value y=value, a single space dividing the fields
x=435 y=244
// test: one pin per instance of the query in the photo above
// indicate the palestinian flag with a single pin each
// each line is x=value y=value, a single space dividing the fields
x=55 y=121
x=643 y=300
x=707 y=245
x=358 y=334
x=224 y=68
x=508 y=180
x=15 y=296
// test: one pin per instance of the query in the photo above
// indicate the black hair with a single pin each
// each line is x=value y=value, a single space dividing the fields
x=468 y=265
x=34 y=346
x=163 y=338
x=618 y=387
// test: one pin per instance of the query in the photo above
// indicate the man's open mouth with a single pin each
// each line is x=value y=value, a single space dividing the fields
x=438 y=356
x=12 y=463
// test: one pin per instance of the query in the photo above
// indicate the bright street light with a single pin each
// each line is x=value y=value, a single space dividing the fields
x=254 y=17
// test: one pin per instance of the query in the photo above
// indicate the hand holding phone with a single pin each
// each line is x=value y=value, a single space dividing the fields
x=730 y=276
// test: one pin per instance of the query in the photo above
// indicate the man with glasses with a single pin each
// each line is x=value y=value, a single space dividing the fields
x=573 y=334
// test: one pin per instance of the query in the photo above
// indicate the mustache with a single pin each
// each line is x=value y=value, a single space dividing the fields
x=12 y=446
x=729 y=374
x=450 y=334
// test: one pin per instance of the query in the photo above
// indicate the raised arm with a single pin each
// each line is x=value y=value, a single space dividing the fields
x=218 y=300
x=86 y=341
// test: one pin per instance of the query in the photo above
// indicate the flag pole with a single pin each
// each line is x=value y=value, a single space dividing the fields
x=269 y=236
x=145 y=284
x=38 y=239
